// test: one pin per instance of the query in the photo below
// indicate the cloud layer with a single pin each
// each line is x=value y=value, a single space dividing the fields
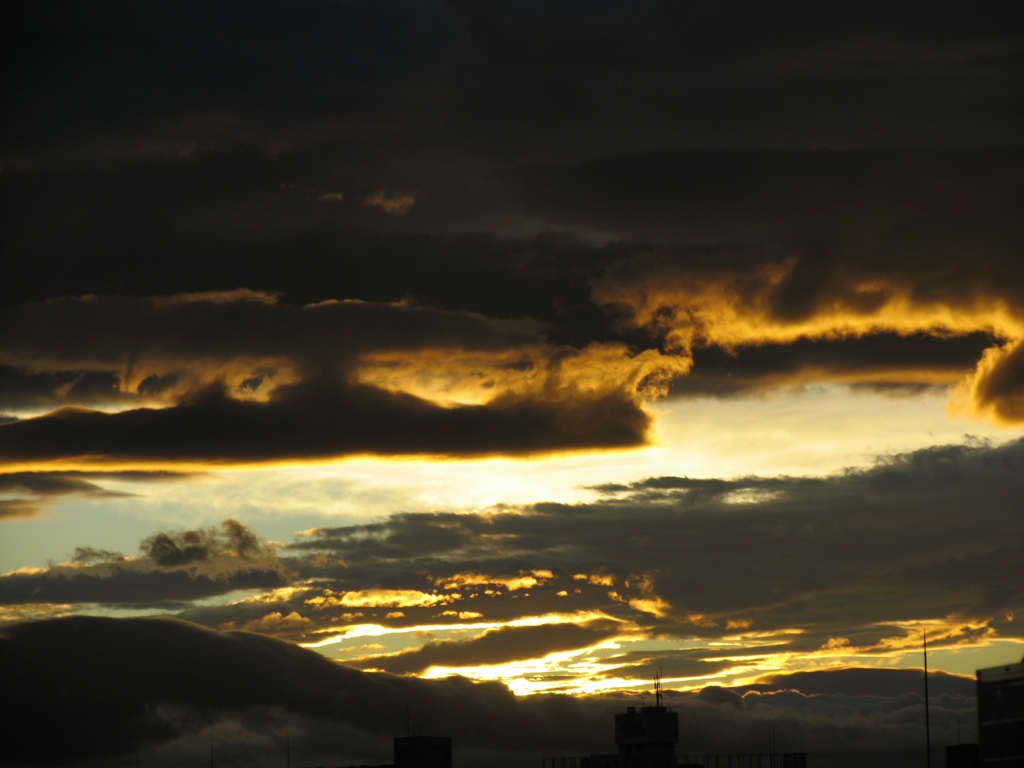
x=752 y=571
x=530 y=222
x=240 y=377
x=169 y=687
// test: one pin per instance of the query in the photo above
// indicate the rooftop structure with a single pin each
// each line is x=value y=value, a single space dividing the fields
x=647 y=738
x=963 y=756
x=1001 y=716
x=423 y=752
x=419 y=752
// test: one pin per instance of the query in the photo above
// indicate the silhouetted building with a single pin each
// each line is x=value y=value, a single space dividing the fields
x=647 y=738
x=963 y=756
x=419 y=752
x=423 y=752
x=1001 y=716
x=747 y=760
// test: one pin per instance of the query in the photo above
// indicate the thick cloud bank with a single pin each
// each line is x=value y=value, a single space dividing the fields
x=851 y=565
x=92 y=691
x=241 y=377
x=495 y=229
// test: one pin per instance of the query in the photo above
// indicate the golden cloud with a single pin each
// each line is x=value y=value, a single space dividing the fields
x=598 y=579
x=462 y=614
x=380 y=598
x=689 y=308
x=452 y=377
x=652 y=605
x=525 y=580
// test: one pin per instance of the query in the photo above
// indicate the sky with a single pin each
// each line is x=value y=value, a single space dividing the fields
x=472 y=363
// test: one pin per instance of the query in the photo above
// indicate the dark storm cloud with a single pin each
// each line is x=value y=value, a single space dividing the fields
x=161 y=150
x=251 y=379
x=30 y=492
x=169 y=686
x=805 y=246
x=506 y=78
x=745 y=205
x=781 y=248
x=137 y=148
x=217 y=428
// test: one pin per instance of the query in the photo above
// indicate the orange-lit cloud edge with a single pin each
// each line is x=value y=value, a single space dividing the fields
x=583 y=670
x=684 y=312
x=587 y=667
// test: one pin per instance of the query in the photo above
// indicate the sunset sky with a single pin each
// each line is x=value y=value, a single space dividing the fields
x=483 y=359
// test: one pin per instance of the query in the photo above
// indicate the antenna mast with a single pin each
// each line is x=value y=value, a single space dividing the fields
x=927 y=720
x=657 y=688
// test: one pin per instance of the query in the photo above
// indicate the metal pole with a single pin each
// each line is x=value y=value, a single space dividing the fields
x=927 y=720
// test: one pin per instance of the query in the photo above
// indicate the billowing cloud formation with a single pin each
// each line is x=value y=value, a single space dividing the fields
x=241 y=377
x=175 y=568
x=169 y=687
x=783 y=247
x=645 y=186
x=687 y=306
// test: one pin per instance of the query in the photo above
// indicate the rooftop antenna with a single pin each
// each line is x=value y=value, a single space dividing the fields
x=927 y=720
x=657 y=687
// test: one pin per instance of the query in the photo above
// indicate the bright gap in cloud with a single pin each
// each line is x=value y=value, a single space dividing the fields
x=813 y=431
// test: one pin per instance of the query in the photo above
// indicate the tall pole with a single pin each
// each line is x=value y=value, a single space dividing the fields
x=927 y=720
